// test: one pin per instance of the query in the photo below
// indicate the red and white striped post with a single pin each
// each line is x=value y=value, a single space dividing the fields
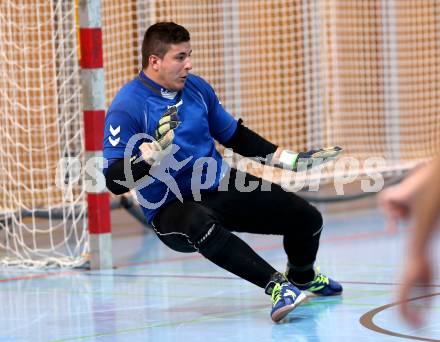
x=93 y=89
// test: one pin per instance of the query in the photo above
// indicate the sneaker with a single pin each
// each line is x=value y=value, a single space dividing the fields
x=321 y=285
x=285 y=298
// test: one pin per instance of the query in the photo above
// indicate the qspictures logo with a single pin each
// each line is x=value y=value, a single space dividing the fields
x=205 y=172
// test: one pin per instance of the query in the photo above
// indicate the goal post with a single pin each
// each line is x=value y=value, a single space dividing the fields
x=93 y=103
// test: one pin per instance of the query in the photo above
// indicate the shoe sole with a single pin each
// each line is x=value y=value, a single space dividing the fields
x=282 y=312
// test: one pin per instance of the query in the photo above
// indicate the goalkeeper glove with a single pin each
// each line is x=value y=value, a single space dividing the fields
x=155 y=151
x=306 y=160
x=164 y=133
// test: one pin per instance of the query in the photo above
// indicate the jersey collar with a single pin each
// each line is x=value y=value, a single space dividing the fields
x=156 y=88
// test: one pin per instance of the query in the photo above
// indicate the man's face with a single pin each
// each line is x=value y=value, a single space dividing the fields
x=173 y=68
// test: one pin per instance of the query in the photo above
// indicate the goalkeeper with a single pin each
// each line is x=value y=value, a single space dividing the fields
x=180 y=117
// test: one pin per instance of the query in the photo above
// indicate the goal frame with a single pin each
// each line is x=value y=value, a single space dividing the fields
x=93 y=102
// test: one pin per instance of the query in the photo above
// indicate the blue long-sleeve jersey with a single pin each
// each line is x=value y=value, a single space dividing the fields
x=132 y=119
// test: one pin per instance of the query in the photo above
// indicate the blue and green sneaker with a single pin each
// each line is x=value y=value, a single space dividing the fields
x=285 y=298
x=321 y=285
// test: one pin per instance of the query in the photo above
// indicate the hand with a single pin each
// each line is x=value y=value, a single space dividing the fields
x=396 y=203
x=399 y=202
x=416 y=272
x=155 y=151
x=305 y=160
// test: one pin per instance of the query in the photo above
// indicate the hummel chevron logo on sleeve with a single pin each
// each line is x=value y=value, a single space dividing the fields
x=114 y=132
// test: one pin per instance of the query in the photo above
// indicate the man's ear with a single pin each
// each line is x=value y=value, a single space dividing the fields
x=154 y=61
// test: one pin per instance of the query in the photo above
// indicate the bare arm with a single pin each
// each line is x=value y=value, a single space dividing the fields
x=416 y=198
x=417 y=269
x=427 y=209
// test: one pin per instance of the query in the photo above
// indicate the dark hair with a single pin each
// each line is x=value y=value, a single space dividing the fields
x=159 y=36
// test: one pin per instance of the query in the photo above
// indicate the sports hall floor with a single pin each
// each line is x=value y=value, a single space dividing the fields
x=155 y=294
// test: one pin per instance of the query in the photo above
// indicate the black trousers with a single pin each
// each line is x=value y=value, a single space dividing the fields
x=188 y=226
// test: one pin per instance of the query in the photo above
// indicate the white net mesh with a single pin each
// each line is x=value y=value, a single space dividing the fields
x=359 y=74
x=363 y=75
x=41 y=123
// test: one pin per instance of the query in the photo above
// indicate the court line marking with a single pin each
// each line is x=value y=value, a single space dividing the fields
x=367 y=320
x=195 y=276
x=208 y=317
x=350 y=237
x=41 y=276
x=358 y=236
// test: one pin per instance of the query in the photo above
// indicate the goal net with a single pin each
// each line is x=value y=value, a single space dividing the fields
x=363 y=75
x=42 y=211
x=359 y=74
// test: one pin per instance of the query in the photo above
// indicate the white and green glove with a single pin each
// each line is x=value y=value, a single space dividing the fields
x=305 y=160
x=153 y=152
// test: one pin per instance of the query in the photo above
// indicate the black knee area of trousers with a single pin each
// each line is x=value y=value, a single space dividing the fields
x=196 y=230
x=316 y=221
x=308 y=224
